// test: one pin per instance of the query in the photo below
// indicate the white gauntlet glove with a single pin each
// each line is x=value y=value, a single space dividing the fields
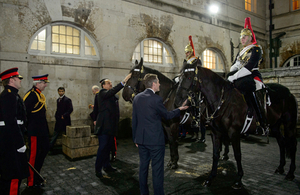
x=22 y=149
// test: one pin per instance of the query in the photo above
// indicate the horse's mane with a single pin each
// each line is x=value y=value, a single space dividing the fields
x=162 y=77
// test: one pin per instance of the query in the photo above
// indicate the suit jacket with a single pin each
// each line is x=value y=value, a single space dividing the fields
x=108 y=111
x=94 y=114
x=13 y=164
x=35 y=103
x=148 y=110
x=64 y=108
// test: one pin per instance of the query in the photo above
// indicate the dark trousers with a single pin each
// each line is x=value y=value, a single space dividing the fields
x=60 y=128
x=156 y=154
x=39 y=147
x=10 y=187
x=105 y=145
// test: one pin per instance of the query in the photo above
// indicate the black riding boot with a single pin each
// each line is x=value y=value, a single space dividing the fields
x=258 y=103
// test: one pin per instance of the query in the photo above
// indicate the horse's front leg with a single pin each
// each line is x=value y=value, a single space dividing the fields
x=225 y=141
x=216 y=139
x=172 y=133
x=236 y=145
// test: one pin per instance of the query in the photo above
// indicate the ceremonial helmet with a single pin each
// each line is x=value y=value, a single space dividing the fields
x=247 y=31
x=190 y=47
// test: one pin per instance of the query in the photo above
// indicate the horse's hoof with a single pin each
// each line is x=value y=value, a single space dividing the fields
x=225 y=158
x=290 y=177
x=237 y=185
x=174 y=166
x=280 y=171
x=206 y=183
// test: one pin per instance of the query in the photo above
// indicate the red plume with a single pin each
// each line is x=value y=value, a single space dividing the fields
x=191 y=43
x=248 y=25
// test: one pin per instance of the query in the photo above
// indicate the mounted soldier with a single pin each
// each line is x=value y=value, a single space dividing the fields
x=195 y=108
x=246 y=77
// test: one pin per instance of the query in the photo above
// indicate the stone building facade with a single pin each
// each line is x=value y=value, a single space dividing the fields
x=112 y=31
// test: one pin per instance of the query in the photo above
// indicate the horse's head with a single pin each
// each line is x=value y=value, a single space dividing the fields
x=188 y=83
x=134 y=85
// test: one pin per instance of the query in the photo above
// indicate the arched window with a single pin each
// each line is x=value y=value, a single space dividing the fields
x=153 y=52
x=63 y=40
x=212 y=59
x=293 y=61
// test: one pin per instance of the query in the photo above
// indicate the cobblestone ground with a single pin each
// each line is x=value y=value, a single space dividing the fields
x=259 y=162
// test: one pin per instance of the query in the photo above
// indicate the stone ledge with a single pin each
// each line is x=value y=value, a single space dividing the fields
x=80 y=152
x=79 y=142
x=78 y=131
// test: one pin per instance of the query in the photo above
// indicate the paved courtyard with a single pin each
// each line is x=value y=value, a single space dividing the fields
x=258 y=158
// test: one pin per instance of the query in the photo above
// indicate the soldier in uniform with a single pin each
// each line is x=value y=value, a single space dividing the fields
x=13 y=160
x=245 y=75
x=191 y=58
x=37 y=127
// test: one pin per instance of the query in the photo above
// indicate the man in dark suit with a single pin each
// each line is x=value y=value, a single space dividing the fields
x=62 y=115
x=13 y=159
x=148 y=135
x=37 y=129
x=106 y=125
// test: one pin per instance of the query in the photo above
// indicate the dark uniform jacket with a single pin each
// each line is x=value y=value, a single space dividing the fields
x=94 y=114
x=108 y=111
x=35 y=103
x=148 y=110
x=64 y=108
x=13 y=164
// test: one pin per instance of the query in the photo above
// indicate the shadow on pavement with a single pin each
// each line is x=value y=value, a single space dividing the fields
x=124 y=181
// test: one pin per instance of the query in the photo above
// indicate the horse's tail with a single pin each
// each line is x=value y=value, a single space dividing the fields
x=291 y=131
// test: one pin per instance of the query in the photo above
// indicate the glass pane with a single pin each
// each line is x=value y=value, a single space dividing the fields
x=155 y=51
x=69 y=49
x=55 y=38
x=55 y=47
x=76 y=50
x=41 y=45
x=54 y=29
x=150 y=58
x=69 y=40
x=155 y=44
x=62 y=29
x=154 y=58
x=62 y=39
x=93 y=51
x=160 y=59
x=88 y=51
x=146 y=58
x=146 y=50
x=159 y=45
x=69 y=30
x=159 y=52
x=146 y=43
x=75 y=32
x=62 y=48
x=34 y=45
x=42 y=35
x=87 y=41
x=75 y=41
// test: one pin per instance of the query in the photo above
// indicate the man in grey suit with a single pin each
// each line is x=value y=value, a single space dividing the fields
x=148 y=135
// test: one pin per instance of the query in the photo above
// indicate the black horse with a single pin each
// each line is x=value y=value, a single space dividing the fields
x=167 y=91
x=227 y=111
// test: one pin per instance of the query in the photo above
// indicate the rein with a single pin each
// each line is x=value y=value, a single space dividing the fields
x=192 y=98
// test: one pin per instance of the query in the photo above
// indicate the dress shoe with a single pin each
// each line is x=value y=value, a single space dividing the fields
x=99 y=175
x=109 y=169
